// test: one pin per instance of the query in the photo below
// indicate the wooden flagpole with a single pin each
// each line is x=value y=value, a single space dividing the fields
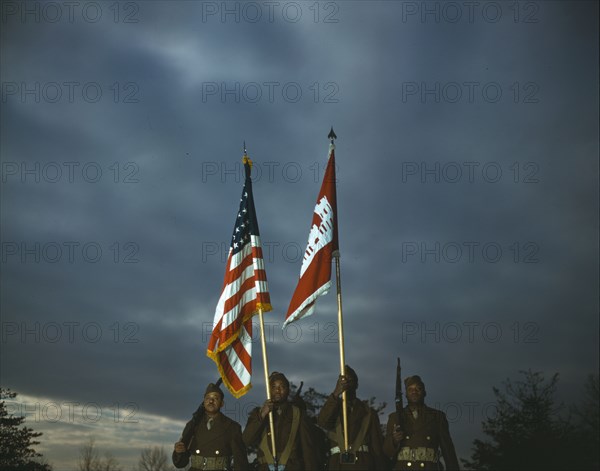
x=336 y=256
x=266 y=368
x=265 y=361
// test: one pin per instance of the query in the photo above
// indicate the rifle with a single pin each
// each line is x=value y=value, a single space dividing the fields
x=297 y=399
x=399 y=399
x=299 y=390
x=188 y=432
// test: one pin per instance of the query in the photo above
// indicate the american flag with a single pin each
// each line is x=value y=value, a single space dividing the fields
x=315 y=274
x=245 y=291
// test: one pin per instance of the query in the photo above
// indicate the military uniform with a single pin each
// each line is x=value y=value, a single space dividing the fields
x=216 y=442
x=288 y=420
x=364 y=432
x=426 y=432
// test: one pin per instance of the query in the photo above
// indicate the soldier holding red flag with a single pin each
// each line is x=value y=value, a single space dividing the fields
x=364 y=432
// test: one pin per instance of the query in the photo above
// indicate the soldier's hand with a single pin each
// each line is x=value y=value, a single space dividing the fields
x=180 y=447
x=342 y=385
x=397 y=435
x=266 y=408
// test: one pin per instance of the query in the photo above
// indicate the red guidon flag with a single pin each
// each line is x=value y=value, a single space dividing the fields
x=315 y=274
x=245 y=291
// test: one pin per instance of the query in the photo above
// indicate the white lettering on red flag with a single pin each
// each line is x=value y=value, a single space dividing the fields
x=315 y=274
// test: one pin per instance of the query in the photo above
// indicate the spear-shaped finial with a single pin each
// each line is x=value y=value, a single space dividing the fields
x=331 y=135
x=245 y=158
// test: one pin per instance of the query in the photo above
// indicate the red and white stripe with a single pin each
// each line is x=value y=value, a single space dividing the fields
x=245 y=291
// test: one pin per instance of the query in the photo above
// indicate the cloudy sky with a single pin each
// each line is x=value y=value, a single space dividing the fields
x=467 y=159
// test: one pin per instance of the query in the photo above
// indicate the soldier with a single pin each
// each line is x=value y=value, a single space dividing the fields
x=425 y=432
x=293 y=442
x=364 y=432
x=211 y=440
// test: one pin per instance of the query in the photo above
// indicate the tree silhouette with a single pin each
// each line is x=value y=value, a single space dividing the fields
x=17 y=443
x=153 y=459
x=529 y=430
x=587 y=428
x=90 y=460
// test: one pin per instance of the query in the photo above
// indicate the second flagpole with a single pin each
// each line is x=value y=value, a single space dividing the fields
x=336 y=255
x=338 y=278
x=266 y=368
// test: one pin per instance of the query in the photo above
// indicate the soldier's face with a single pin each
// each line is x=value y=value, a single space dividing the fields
x=279 y=391
x=352 y=383
x=415 y=394
x=213 y=402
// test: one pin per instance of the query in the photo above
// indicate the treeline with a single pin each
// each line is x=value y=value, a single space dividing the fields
x=531 y=430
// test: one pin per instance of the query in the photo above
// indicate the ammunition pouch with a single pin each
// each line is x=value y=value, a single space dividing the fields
x=417 y=454
x=210 y=462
